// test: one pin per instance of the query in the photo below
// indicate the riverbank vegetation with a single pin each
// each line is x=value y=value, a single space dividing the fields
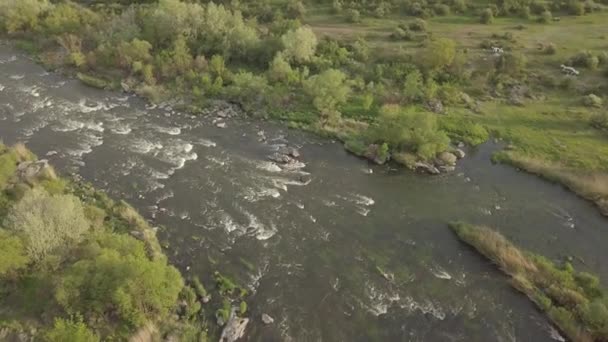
x=575 y=301
x=78 y=266
x=395 y=80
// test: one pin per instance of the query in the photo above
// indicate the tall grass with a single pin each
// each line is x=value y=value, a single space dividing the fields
x=574 y=301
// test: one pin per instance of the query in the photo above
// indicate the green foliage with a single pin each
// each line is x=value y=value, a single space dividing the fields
x=128 y=53
x=8 y=166
x=70 y=330
x=592 y=100
x=545 y=17
x=418 y=25
x=299 y=45
x=600 y=120
x=328 y=90
x=408 y=129
x=280 y=71
x=512 y=64
x=21 y=15
x=13 y=256
x=198 y=287
x=47 y=222
x=487 y=16
x=353 y=15
x=243 y=308
x=115 y=275
x=584 y=59
x=249 y=90
x=68 y=18
x=439 y=53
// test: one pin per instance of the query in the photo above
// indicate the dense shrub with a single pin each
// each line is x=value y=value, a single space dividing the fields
x=70 y=330
x=407 y=129
x=487 y=16
x=439 y=53
x=418 y=25
x=512 y=64
x=328 y=90
x=353 y=15
x=299 y=45
x=584 y=59
x=47 y=222
x=13 y=255
x=592 y=100
x=115 y=279
x=21 y=15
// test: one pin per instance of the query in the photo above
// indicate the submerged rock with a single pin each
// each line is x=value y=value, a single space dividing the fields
x=220 y=124
x=446 y=168
x=235 y=328
x=267 y=319
x=280 y=158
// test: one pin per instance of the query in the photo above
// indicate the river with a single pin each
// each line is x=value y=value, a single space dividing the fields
x=311 y=245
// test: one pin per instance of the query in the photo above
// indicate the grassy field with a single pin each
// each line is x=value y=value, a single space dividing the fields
x=550 y=127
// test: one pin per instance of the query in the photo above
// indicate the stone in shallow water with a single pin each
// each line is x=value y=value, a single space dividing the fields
x=235 y=328
x=267 y=319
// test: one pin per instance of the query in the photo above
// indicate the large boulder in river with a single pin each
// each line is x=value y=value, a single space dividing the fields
x=235 y=328
x=447 y=158
x=459 y=153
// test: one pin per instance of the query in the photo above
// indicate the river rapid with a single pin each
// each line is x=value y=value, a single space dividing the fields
x=311 y=245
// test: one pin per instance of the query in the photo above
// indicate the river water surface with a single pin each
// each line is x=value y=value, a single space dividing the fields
x=310 y=245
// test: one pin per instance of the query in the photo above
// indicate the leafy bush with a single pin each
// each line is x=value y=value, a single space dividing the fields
x=407 y=129
x=299 y=45
x=47 y=222
x=441 y=9
x=328 y=90
x=419 y=25
x=600 y=120
x=353 y=15
x=549 y=49
x=70 y=330
x=512 y=64
x=402 y=34
x=115 y=279
x=584 y=59
x=13 y=256
x=439 y=53
x=545 y=17
x=592 y=100
x=487 y=16
x=21 y=15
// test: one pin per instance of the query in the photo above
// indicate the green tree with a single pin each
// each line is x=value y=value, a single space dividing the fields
x=70 y=330
x=413 y=89
x=439 y=53
x=487 y=16
x=410 y=130
x=13 y=256
x=21 y=15
x=115 y=279
x=328 y=90
x=69 y=18
x=135 y=51
x=280 y=70
x=47 y=222
x=299 y=44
